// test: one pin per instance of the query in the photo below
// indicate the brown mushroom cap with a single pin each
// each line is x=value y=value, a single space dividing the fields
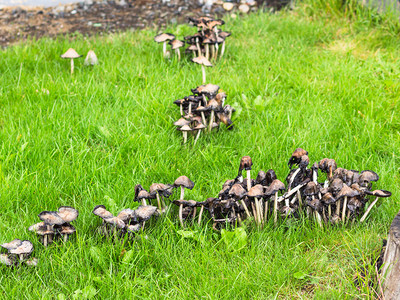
x=144 y=213
x=354 y=203
x=12 y=245
x=51 y=218
x=367 y=176
x=237 y=191
x=5 y=259
x=115 y=221
x=347 y=191
x=224 y=34
x=379 y=193
x=256 y=191
x=261 y=177
x=182 y=122
x=296 y=156
x=208 y=89
x=143 y=194
x=328 y=198
x=68 y=213
x=311 y=189
x=176 y=44
x=102 y=212
x=274 y=187
x=185 y=128
x=163 y=37
x=38 y=228
x=202 y=60
x=185 y=182
x=26 y=247
x=126 y=214
x=161 y=188
x=133 y=228
x=336 y=186
x=200 y=126
x=245 y=163
x=67 y=229
x=71 y=53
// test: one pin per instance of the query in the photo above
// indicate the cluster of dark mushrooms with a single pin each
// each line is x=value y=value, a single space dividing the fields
x=209 y=41
x=18 y=253
x=55 y=224
x=204 y=110
x=128 y=221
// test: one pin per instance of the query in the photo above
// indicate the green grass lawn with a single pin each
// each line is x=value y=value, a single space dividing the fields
x=328 y=85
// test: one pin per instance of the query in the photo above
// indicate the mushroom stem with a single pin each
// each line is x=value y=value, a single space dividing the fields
x=194 y=212
x=181 y=109
x=318 y=217
x=21 y=257
x=329 y=211
x=197 y=136
x=368 y=210
x=216 y=51
x=72 y=65
x=164 y=49
x=184 y=137
x=211 y=121
x=200 y=214
x=180 y=214
x=204 y=74
x=338 y=203
x=207 y=51
x=344 y=208
x=182 y=192
x=245 y=208
x=190 y=108
x=45 y=240
x=158 y=201
x=203 y=118
x=266 y=210
x=205 y=104
x=65 y=238
x=222 y=49
x=276 y=208
x=198 y=46
x=299 y=198
x=144 y=202
x=292 y=178
x=253 y=207
x=248 y=175
x=178 y=52
x=212 y=51
x=257 y=210
x=330 y=172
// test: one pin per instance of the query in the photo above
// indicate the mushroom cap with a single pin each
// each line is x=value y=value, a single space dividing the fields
x=91 y=58
x=296 y=156
x=115 y=221
x=133 y=228
x=207 y=89
x=213 y=104
x=200 y=126
x=304 y=161
x=184 y=181
x=12 y=245
x=182 y=122
x=336 y=185
x=185 y=128
x=67 y=229
x=315 y=204
x=256 y=191
x=5 y=259
x=51 y=218
x=311 y=189
x=237 y=191
x=176 y=44
x=271 y=176
x=143 y=194
x=202 y=109
x=33 y=262
x=161 y=188
x=245 y=163
x=347 y=191
x=354 y=203
x=275 y=187
x=144 y=213
x=68 y=213
x=187 y=203
x=191 y=48
x=379 y=193
x=211 y=24
x=367 y=176
x=328 y=198
x=224 y=34
x=26 y=247
x=163 y=37
x=71 y=53
x=38 y=228
x=202 y=60
x=126 y=214
x=102 y=212
x=261 y=177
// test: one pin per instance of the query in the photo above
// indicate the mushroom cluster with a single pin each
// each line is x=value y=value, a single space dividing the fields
x=204 y=110
x=127 y=221
x=158 y=191
x=208 y=42
x=18 y=252
x=342 y=196
x=55 y=224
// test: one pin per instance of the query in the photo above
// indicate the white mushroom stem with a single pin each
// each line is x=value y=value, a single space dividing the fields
x=248 y=175
x=212 y=51
x=144 y=202
x=299 y=198
x=318 y=217
x=65 y=238
x=184 y=137
x=181 y=109
x=222 y=49
x=257 y=210
x=211 y=121
x=182 y=192
x=203 y=117
x=329 y=210
x=245 y=208
x=330 y=172
x=266 y=210
x=254 y=211
x=194 y=212
x=207 y=51
x=158 y=201
x=276 y=208
x=21 y=257
x=164 y=48
x=200 y=214
x=178 y=52
x=190 y=108
x=198 y=46
x=315 y=176
x=45 y=240
x=203 y=70
x=205 y=103
x=326 y=183
x=72 y=65
x=216 y=50
x=180 y=214
x=292 y=178
x=197 y=136
x=344 y=208
x=368 y=210
x=338 y=203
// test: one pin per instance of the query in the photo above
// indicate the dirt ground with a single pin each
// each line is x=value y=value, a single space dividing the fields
x=89 y=17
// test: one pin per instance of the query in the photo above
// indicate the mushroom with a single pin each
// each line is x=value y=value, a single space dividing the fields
x=185 y=129
x=238 y=192
x=163 y=38
x=91 y=59
x=193 y=49
x=346 y=192
x=273 y=189
x=68 y=213
x=102 y=212
x=126 y=215
x=223 y=35
x=71 y=54
x=257 y=192
x=160 y=189
x=213 y=105
x=50 y=218
x=204 y=62
x=245 y=164
x=176 y=45
x=328 y=199
x=41 y=230
x=65 y=231
x=5 y=259
x=202 y=110
x=296 y=157
x=199 y=128
x=378 y=194
x=23 y=250
x=33 y=262
x=115 y=221
x=144 y=213
x=183 y=182
x=143 y=195
x=12 y=245
x=366 y=177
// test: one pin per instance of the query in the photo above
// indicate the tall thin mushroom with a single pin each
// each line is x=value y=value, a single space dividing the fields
x=204 y=62
x=71 y=54
x=164 y=38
